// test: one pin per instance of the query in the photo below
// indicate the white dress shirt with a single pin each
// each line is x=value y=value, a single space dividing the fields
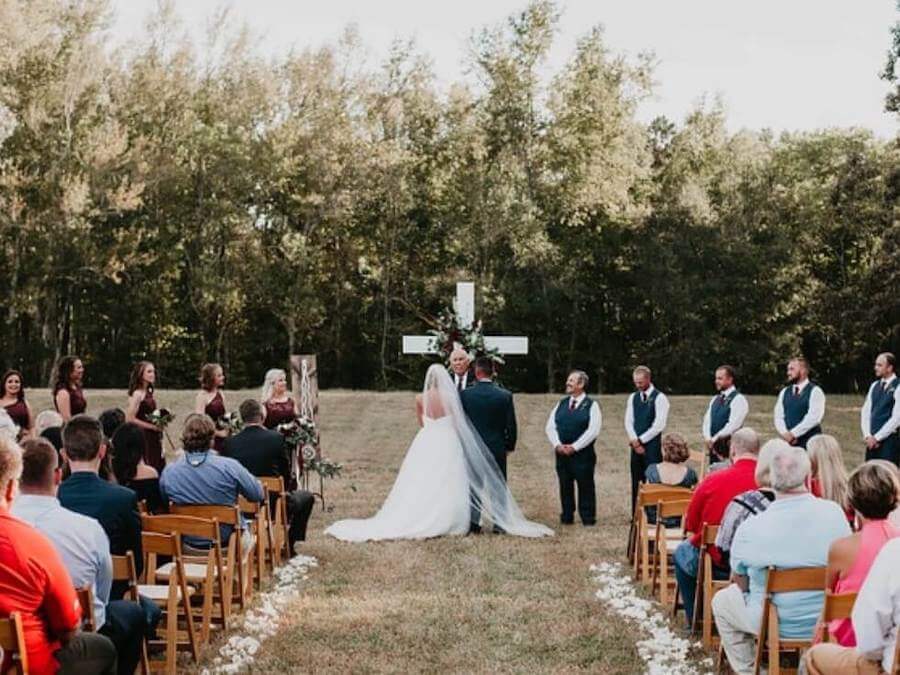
x=813 y=416
x=80 y=541
x=738 y=413
x=590 y=434
x=865 y=415
x=876 y=612
x=659 y=422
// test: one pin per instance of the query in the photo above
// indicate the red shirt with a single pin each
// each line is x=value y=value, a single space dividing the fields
x=35 y=583
x=712 y=496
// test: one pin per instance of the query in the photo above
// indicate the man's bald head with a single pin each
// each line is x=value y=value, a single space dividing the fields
x=459 y=361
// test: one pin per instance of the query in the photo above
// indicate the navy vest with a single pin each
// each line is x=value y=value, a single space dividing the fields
x=882 y=405
x=720 y=412
x=795 y=409
x=571 y=424
x=644 y=417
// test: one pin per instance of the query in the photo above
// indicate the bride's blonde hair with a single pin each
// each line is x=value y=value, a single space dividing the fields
x=268 y=387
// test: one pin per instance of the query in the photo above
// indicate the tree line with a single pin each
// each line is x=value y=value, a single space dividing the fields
x=186 y=201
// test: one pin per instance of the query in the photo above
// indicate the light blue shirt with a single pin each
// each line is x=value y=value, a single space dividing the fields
x=792 y=532
x=81 y=542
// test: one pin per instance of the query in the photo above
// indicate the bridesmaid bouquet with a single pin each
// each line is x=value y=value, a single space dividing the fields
x=160 y=418
x=231 y=422
x=301 y=431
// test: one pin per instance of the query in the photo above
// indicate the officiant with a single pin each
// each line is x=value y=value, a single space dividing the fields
x=461 y=369
x=572 y=428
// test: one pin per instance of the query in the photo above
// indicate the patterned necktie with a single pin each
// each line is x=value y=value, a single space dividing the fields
x=643 y=397
x=571 y=404
x=459 y=383
x=796 y=390
x=721 y=399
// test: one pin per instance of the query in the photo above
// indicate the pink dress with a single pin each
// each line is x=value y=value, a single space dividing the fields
x=874 y=535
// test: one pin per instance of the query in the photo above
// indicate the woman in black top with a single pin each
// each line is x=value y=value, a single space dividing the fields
x=128 y=446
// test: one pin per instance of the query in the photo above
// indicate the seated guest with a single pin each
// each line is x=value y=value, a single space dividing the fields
x=828 y=475
x=111 y=419
x=795 y=531
x=748 y=503
x=130 y=470
x=707 y=505
x=721 y=453
x=672 y=470
x=875 y=619
x=263 y=453
x=114 y=506
x=84 y=549
x=34 y=582
x=873 y=495
x=203 y=476
x=47 y=419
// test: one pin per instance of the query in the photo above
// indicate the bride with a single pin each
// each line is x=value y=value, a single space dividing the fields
x=447 y=470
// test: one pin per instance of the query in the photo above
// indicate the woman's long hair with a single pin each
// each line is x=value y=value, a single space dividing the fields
x=208 y=376
x=128 y=446
x=136 y=381
x=828 y=468
x=63 y=372
x=9 y=373
x=269 y=383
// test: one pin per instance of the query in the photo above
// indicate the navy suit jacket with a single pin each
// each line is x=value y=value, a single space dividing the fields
x=491 y=411
x=261 y=451
x=113 y=506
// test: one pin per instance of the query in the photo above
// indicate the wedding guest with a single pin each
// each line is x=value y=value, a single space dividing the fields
x=48 y=424
x=572 y=428
x=880 y=414
x=84 y=549
x=800 y=406
x=206 y=477
x=707 y=505
x=210 y=400
x=115 y=507
x=828 y=475
x=795 y=531
x=262 y=452
x=68 y=395
x=875 y=619
x=725 y=413
x=748 y=504
x=141 y=405
x=873 y=494
x=277 y=399
x=461 y=369
x=12 y=398
x=34 y=583
x=128 y=450
x=645 y=419
x=110 y=420
x=8 y=428
x=672 y=471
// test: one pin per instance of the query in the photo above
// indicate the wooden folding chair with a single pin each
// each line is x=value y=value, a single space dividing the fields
x=173 y=597
x=649 y=495
x=238 y=562
x=259 y=526
x=86 y=600
x=12 y=644
x=665 y=546
x=124 y=569
x=707 y=587
x=769 y=640
x=837 y=606
x=279 y=543
x=208 y=572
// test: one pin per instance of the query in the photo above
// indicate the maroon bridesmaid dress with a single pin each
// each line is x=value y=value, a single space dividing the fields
x=18 y=413
x=77 y=402
x=153 y=452
x=215 y=409
x=279 y=413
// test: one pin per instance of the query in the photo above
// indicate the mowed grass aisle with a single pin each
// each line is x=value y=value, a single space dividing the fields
x=483 y=603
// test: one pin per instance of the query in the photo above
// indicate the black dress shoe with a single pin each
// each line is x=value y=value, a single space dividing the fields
x=589 y=523
x=499 y=530
x=563 y=521
x=474 y=529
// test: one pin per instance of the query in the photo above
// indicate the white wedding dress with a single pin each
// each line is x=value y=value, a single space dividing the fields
x=446 y=469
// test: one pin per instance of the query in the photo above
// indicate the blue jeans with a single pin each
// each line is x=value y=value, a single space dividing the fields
x=687 y=560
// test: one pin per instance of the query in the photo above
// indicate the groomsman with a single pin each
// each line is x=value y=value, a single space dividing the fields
x=800 y=406
x=461 y=369
x=572 y=428
x=645 y=419
x=725 y=413
x=880 y=415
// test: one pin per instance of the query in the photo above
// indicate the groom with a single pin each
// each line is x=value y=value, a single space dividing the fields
x=491 y=411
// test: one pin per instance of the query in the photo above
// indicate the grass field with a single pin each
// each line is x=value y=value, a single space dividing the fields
x=467 y=604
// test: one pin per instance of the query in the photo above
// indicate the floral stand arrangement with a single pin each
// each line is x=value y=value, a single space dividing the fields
x=302 y=439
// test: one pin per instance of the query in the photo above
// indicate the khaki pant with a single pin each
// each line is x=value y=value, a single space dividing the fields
x=737 y=632
x=832 y=659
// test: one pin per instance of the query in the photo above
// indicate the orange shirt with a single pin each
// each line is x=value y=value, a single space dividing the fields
x=35 y=583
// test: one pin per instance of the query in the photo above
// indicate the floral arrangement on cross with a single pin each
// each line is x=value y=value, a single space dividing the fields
x=448 y=333
x=302 y=433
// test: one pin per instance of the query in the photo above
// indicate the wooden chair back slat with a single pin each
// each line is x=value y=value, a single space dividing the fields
x=12 y=642
x=650 y=493
x=838 y=606
x=798 y=579
x=226 y=515
x=157 y=543
x=670 y=509
x=709 y=534
x=272 y=483
x=191 y=526
x=246 y=506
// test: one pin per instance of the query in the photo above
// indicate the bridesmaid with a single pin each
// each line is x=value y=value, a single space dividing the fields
x=12 y=397
x=277 y=399
x=211 y=401
x=141 y=405
x=68 y=396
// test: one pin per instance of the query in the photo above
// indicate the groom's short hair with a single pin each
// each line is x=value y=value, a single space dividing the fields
x=484 y=365
x=251 y=411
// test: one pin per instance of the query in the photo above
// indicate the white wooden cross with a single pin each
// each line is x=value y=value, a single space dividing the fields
x=464 y=306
